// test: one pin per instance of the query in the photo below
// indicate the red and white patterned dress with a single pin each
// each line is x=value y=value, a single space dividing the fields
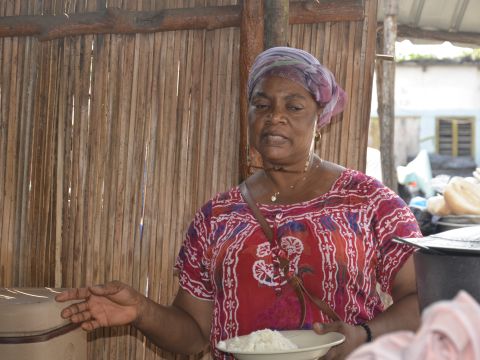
x=340 y=243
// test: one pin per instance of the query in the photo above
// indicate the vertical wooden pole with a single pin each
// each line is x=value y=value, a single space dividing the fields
x=251 y=44
x=276 y=23
x=386 y=95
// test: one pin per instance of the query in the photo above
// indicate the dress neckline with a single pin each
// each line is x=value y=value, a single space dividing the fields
x=335 y=185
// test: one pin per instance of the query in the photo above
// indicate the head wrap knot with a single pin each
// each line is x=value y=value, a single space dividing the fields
x=303 y=68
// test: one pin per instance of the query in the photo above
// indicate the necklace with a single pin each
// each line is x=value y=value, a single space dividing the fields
x=306 y=172
x=274 y=196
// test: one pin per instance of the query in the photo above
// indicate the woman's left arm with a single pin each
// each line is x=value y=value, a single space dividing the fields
x=403 y=314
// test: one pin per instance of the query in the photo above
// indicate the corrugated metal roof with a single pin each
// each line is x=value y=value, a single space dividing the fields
x=438 y=15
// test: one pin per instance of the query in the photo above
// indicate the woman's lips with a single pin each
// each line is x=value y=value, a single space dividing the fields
x=274 y=139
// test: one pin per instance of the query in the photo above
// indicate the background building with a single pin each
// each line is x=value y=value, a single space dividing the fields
x=437 y=107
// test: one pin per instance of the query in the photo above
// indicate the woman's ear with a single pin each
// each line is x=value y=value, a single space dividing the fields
x=320 y=110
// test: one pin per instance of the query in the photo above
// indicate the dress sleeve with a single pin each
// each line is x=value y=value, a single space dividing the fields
x=193 y=260
x=391 y=218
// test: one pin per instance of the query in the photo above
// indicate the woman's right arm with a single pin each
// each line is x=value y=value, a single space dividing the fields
x=183 y=327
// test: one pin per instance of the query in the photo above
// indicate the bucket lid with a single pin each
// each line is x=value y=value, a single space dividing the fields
x=29 y=311
x=465 y=239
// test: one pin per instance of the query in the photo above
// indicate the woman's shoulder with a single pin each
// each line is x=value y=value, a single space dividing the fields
x=231 y=195
x=356 y=180
x=222 y=202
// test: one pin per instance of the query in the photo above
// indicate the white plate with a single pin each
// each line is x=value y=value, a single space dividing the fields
x=310 y=346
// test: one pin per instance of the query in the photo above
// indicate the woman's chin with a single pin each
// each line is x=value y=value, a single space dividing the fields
x=274 y=152
x=274 y=159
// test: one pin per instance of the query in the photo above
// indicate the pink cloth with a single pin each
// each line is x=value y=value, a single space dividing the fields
x=449 y=331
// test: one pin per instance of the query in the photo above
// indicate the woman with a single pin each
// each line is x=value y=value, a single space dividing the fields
x=331 y=237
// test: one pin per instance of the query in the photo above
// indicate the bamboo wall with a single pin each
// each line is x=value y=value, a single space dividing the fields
x=109 y=144
x=348 y=50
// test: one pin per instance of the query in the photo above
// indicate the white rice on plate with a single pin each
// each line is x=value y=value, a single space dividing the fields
x=259 y=341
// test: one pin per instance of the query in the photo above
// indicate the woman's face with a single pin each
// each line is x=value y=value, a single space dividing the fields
x=282 y=118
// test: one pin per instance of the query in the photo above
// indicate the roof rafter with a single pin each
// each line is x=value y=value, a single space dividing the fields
x=461 y=37
x=459 y=14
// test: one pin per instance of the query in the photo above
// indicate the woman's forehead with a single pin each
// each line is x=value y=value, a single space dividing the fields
x=277 y=85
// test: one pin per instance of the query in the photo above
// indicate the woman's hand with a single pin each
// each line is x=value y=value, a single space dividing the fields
x=111 y=304
x=354 y=337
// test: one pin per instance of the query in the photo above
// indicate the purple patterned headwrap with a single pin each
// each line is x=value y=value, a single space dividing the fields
x=303 y=68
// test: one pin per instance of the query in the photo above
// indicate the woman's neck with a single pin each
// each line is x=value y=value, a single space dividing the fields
x=282 y=182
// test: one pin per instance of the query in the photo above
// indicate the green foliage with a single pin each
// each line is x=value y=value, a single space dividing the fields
x=473 y=54
x=413 y=57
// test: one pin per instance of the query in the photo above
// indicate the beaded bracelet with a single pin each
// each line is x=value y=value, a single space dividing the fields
x=368 y=330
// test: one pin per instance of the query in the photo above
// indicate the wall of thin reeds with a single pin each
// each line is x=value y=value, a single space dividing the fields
x=110 y=143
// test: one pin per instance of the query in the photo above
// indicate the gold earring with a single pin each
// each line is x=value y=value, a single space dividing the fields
x=318 y=136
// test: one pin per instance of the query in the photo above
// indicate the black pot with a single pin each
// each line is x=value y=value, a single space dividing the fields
x=442 y=276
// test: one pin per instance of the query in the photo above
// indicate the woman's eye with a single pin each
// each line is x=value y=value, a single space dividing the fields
x=260 y=106
x=295 y=108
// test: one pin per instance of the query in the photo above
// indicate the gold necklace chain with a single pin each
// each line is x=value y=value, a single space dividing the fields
x=306 y=172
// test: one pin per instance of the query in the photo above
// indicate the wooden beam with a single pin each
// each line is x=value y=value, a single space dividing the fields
x=119 y=21
x=311 y=12
x=386 y=95
x=251 y=44
x=276 y=23
x=410 y=32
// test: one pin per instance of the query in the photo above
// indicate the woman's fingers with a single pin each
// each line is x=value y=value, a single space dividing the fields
x=73 y=294
x=103 y=305
x=90 y=325
x=329 y=327
x=81 y=317
x=336 y=352
x=109 y=288
x=353 y=338
x=80 y=313
x=83 y=293
x=74 y=309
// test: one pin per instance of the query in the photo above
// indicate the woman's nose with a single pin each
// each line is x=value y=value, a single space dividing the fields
x=277 y=115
